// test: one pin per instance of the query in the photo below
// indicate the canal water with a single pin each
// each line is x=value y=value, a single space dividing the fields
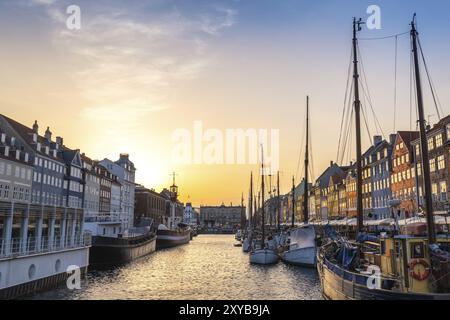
x=209 y=267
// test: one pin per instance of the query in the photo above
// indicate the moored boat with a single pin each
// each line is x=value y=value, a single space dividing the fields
x=264 y=257
x=112 y=247
x=167 y=238
x=409 y=266
x=301 y=248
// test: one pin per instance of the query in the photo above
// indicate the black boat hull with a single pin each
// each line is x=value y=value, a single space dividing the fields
x=108 y=252
x=172 y=238
x=336 y=285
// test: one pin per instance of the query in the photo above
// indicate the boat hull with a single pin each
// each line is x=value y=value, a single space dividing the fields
x=303 y=257
x=264 y=257
x=109 y=252
x=338 y=284
x=172 y=238
x=15 y=280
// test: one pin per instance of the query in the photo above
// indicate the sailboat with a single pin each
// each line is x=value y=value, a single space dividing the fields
x=399 y=267
x=264 y=255
x=301 y=242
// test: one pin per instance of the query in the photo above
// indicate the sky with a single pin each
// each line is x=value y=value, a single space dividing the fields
x=139 y=71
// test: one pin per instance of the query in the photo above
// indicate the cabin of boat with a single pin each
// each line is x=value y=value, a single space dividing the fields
x=404 y=270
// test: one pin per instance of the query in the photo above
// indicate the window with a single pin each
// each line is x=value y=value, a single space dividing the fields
x=434 y=190
x=439 y=140
x=432 y=165
x=441 y=162
x=443 y=191
x=430 y=144
x=419 y=169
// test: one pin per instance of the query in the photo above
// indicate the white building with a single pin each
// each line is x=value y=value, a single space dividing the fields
x=189 y=214
x=125 y=171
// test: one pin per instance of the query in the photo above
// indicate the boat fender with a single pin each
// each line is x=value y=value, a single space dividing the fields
x=420 y=276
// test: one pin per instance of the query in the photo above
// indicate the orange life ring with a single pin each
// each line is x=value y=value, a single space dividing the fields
x=420 y=276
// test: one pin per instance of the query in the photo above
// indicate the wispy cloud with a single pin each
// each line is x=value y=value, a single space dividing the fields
x=131 y=57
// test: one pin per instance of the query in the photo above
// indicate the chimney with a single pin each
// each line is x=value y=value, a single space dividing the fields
x=392 y=138
x=48 y=134
x=59 y=141
x=35 y=127
x=377 y=140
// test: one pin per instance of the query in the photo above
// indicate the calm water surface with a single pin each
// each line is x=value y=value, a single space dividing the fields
x=209 y=267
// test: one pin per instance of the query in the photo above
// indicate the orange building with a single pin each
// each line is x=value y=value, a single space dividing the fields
x=403 y=178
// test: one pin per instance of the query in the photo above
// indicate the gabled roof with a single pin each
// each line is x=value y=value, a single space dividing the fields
x=408 y=137
x=26 y=134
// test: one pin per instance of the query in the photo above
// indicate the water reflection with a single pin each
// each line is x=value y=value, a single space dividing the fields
x=210 y=267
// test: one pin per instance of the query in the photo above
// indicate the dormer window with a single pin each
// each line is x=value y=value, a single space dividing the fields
x=18 y=154
x=54 y=153
x=13 y=140
x=7 y=151
x=3 y=137
x=34 y=137
x=38 y=147
x=47 y=150
x=26 y=157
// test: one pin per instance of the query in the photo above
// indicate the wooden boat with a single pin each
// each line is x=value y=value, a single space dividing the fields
x=301 y=250
x=301 y=247
x=264 y=255
x=399 y=267
x=108 y=252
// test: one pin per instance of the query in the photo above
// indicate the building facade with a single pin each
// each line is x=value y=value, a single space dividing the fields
x=150 y=205
x=381 y=179
x=439 y=157
x=125 y=170
x=225 y=217
x=91 y=191
x=403 y=177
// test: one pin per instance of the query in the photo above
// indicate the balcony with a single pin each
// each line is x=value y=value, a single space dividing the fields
x=17 y=248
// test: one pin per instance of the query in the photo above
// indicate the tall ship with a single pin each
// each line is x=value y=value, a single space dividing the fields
x=411 y=263
x=42 y=241
x=174 y=232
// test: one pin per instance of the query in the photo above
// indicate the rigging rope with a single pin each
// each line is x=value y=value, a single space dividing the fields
x=386 y=37
x=346 y=96
x=430 y=82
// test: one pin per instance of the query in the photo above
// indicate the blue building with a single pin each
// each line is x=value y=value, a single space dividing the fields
x=73 y=178
x=48 y=167
x=381 y=167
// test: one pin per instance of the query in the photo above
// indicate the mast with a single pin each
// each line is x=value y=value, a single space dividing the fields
x=357 y=103
x=305 y=194
x=262 y=198
x=270 y=202
x=293 y=202
x=256 y=211
x=243 y=218
x=278 y=202
x=423 y=138
x=250 y=216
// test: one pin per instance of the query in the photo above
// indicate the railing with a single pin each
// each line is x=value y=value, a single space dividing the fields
x=17 y=247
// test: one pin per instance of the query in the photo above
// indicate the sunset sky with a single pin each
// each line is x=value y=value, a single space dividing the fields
x=138 y=70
